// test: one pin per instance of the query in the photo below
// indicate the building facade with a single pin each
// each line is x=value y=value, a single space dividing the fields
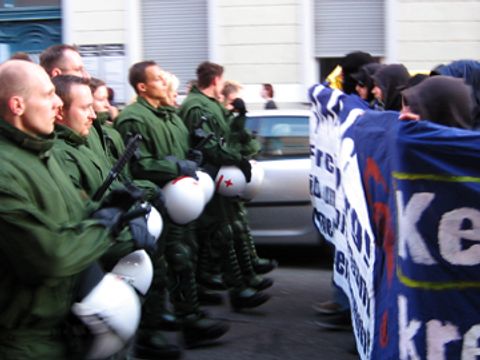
x=288 y=43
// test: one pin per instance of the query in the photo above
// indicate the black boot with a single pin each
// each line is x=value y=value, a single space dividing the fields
x=209 y=297
x=167 y=321
x=259 y=283
x=211 y=281
x=208 y=269
x=156 y=314
x=260 y=265
x=263 y=266
x=247 y=298
x=241 y=296
x=242 y=250
x=151 y=344
x=198 y=329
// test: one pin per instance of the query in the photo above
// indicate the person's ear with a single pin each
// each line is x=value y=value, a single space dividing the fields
x=16 y=104
x=141 y=87
x=60 y=115
x=55 y=72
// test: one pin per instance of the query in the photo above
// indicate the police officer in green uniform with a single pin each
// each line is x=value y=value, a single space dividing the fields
x=204 y=115
x=101 y=106
x=242 y=140
x=87 y=170
x=47 y=240
x=64 y=59
x=163 y=157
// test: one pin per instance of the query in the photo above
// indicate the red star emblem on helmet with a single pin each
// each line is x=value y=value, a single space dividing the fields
x=228 y=183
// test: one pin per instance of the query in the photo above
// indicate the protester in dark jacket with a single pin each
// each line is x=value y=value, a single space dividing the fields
x=350 y=64
x=387 y=81
x=365 y=84
x=441 y=99
x=469 y=70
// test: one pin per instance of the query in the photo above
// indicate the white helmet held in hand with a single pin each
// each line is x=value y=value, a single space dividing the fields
x=252 y=188
x=154 y=221
x=230 y=181
x=207 y=185
x=184 y=199
x=111 y=312
x=136 y=269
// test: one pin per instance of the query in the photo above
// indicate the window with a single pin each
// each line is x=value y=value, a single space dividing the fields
x=280 y=136
x=28 y=3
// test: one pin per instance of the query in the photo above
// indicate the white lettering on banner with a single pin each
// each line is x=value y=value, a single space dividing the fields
x=438 y=336
x=360 y=236
x=361 y=286
x=470 y=349
x=407 y=331
x=326 y=160
x=455 y=226
x=450 y=235
x=323 y=223
x=408 y=236
x=363 y=335
x=341 y=264
x=326 y=193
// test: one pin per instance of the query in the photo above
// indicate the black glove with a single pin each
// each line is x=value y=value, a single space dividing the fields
x=239 y=106
x=244 y=137
x=246 y=168
x=158 y=202
x=211 y=170
x=141 y=237
x=111 y=218
x=187 y=168
x=199 y=134
x=195 y=156
x=123 y=198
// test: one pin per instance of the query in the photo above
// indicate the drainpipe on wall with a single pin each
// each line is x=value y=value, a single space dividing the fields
x=133 y=40
x=308 y=64
x=67 y=21
x=213 y=43
x=391 y=31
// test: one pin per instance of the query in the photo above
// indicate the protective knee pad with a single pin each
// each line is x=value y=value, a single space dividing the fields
x=222 y=236
x=237 y=227
x=179 y=257
x=240 y=232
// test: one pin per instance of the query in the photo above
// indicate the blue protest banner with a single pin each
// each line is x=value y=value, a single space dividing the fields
x=408 y=251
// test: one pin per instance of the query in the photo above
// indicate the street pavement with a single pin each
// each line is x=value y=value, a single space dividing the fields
x=284 y=327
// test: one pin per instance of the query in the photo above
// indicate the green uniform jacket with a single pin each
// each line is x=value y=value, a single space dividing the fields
x=108 y=144
x=113 y=141
x=45 y=241
x=87 y=172
x=201 y=111
x=163 y=134
x=85 y=168
x=241 y=138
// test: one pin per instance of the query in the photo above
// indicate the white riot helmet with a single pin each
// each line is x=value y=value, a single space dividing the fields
x=207 y=185
x=154 y=221
x=252 y=187
x=184 y=199
x=136 y=269
x=230 y=181
x=111 y=312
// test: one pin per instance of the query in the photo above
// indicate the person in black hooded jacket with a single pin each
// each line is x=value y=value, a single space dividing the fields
x=388 y=80
x=350 y=64
x=468 y=70
x=364 y=83
x=440 y=99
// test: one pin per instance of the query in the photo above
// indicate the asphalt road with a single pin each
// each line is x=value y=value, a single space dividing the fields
x=284 y=327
